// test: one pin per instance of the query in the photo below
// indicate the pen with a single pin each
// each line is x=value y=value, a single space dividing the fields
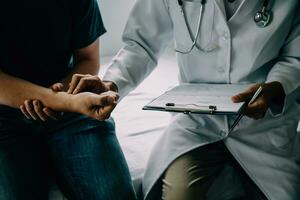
x=256 y=94
x=254 y=97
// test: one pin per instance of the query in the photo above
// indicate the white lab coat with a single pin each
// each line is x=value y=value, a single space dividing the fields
x=267 y=149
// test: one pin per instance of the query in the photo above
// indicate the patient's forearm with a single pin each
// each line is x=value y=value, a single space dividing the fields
x=14 y=91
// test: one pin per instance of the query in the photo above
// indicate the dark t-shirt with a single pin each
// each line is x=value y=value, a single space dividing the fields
x=38 y=38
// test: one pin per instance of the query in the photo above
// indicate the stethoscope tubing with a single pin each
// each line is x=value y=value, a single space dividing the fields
x=197 y=33
x=194 y=40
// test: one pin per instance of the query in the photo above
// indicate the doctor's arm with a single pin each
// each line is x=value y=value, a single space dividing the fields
x=282 y=80
x=149 y=30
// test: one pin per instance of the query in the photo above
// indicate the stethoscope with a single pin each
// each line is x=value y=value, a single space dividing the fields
x=261 y=18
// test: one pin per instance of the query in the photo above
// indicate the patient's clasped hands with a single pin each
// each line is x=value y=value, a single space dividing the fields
x=87 y=95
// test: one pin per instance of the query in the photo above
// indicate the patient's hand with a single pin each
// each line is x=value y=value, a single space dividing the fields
x=93 y=105
x=271 y=94
x=91 y=83
x=34 y=109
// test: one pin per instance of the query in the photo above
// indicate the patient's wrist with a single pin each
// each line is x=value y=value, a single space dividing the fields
x=62 y=101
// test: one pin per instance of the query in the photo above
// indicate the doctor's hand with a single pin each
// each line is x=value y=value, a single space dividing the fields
x=34 y=109
x=93 y=105
x=272 y=94
x=90 y=83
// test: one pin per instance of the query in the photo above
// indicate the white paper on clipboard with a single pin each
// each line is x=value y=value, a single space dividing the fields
x=199 y=98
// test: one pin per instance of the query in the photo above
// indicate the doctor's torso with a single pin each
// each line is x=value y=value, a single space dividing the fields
x=244 y=53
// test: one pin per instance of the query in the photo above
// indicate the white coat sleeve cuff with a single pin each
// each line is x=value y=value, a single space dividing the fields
x=275 y=109
x=127 y=70
x=291 y=94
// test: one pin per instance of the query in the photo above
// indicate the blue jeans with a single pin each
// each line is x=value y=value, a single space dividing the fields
x=82 y=154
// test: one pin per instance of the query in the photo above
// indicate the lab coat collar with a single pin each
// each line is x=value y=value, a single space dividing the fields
x=221 y=6
x=243 y=10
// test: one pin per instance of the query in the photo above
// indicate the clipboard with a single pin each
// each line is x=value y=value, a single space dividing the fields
x=200 y=99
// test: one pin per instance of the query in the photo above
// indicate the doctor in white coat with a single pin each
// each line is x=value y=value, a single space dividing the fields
x=231 y=46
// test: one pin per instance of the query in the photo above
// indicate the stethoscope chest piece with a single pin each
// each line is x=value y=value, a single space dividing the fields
x=262 y=19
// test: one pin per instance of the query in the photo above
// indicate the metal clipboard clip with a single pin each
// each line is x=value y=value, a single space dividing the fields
x=190 y=108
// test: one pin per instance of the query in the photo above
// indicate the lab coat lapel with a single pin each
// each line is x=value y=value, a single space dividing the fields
x=221 y=7
x=243 y=10
x=246 y=9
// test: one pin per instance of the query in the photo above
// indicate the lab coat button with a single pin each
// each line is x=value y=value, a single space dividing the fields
x=225 y=36
x=223 y=133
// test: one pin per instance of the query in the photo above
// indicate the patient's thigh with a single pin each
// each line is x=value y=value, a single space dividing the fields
x=22 y=167
x=88 y=160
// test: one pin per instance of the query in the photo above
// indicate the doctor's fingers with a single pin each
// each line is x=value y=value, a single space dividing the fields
x=82 y=82
x=257 y=109
x=74 y=81
x=91 y=83
x=246 y=95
